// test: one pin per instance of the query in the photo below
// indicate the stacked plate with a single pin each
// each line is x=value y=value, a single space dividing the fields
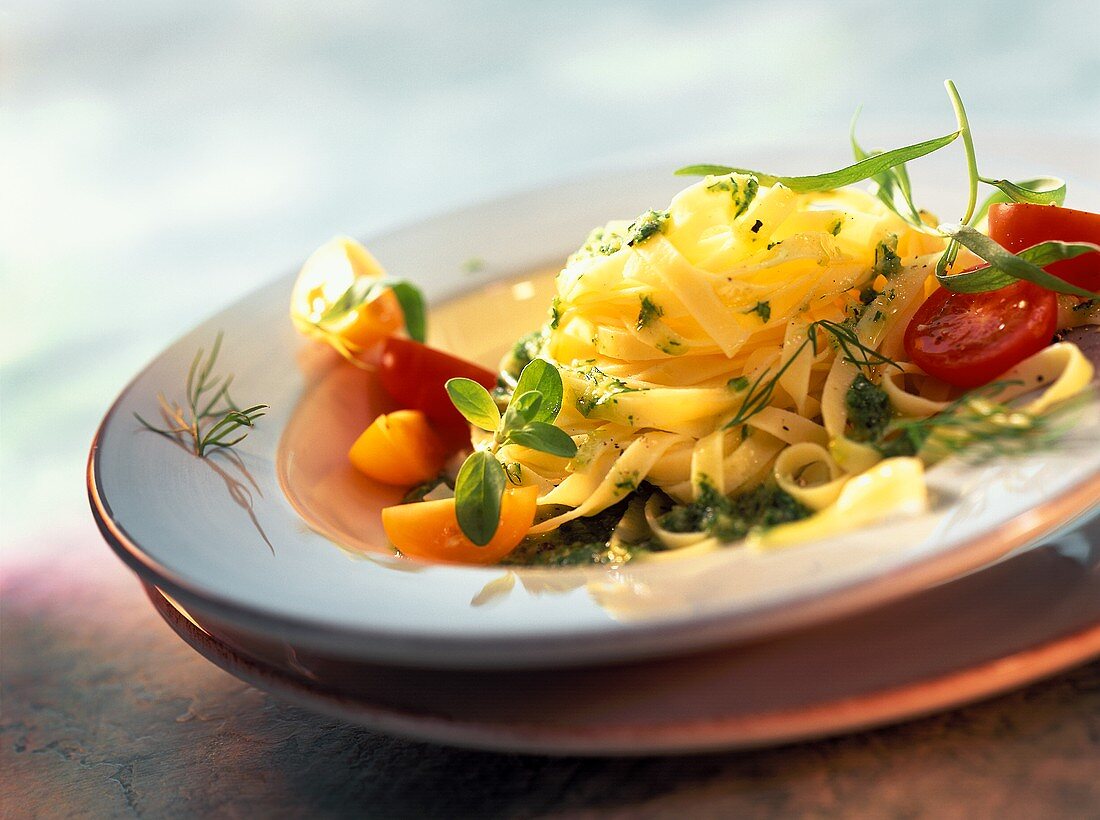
x=268 y=558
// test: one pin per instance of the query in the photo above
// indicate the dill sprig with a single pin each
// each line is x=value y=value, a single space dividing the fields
x=979 y=427
x=848 y=344
x=210 y=418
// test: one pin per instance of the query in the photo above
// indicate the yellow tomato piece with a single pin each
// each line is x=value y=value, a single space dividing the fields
x=429 y=529
x=325 y=277
x=399 y=448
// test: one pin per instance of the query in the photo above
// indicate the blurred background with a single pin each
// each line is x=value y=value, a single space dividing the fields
x=161 y=159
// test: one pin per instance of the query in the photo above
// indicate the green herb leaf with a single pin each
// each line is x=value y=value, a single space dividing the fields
x=522 y=410
x=543 y=378
x=892 y=185
x=412 y=306
x=474 y=402
x=649 y=311
x=1006 y=267
x=478 y=493
x=545 y=438
x=645 y=226
x=864 y=169
x=763 y=310
x=1037 y=190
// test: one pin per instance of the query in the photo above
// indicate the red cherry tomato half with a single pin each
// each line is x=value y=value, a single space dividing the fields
x=415 y=374
x=968 y=339
x=1018 y=225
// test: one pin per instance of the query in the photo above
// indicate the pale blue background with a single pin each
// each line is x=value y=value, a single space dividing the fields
x=160 y=159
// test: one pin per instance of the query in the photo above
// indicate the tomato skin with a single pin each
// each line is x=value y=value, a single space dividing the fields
x=415 y=374
x=399 y=449
x=429 y=529
x=968 y=339
x=1019 y=225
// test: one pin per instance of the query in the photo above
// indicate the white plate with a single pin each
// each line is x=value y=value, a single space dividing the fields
x=1026 y=617
x=220 y=534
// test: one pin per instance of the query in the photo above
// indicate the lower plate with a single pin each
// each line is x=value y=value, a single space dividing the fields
x=1029 y=616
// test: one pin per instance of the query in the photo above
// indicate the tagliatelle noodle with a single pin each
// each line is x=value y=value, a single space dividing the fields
x=662 y=339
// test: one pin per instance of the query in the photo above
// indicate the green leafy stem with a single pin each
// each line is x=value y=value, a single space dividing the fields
x=210 y=419
x=528 y=420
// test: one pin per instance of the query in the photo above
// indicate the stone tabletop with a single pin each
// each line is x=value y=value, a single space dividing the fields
x=161 y=159
x=106 y=713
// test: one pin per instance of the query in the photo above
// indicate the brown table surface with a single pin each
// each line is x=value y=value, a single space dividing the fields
x=105 y=712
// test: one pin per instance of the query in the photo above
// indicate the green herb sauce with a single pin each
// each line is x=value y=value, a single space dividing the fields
x=731 y=519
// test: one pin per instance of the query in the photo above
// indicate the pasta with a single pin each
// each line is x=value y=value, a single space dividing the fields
x=664 y=328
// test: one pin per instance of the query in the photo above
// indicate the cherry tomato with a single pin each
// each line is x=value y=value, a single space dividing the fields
x=429 y=529
x=414 y=375
x=1018 y=225
x=968 y=339
x=399 y=448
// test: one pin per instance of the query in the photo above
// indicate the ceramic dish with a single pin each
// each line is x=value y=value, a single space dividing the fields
x=1027 y=617
x=228 y=537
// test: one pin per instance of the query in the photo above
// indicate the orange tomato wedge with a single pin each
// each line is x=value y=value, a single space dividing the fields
x=429 y=529
x=325 y=277
x=399 y=448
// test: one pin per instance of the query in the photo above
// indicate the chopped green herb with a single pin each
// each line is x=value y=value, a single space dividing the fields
x=525 y=350
x=578 y=542
x=835 y=229
x=731 y=519
x=869 y=409
x=887 y=261
x=649 y=311
x=645 y=226
x=763 y=310
x=738 y=383
x=555 y=313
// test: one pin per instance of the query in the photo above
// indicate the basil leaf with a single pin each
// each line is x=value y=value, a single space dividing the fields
x=412 y=306
x=541 y=377
x=1038 y=191
x=1006 y=267
x=546 y=438
x=474 y=402
x=864 y=169
x=478 y=493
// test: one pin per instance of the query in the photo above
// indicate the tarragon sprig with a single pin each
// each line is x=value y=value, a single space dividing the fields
x=888 y=171
x=527 y=421
x=210 y=419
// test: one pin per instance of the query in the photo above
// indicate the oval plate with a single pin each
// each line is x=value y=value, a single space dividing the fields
x=220 y=534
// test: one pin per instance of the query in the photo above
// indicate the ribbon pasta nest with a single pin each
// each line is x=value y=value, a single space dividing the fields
x=736 y=345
